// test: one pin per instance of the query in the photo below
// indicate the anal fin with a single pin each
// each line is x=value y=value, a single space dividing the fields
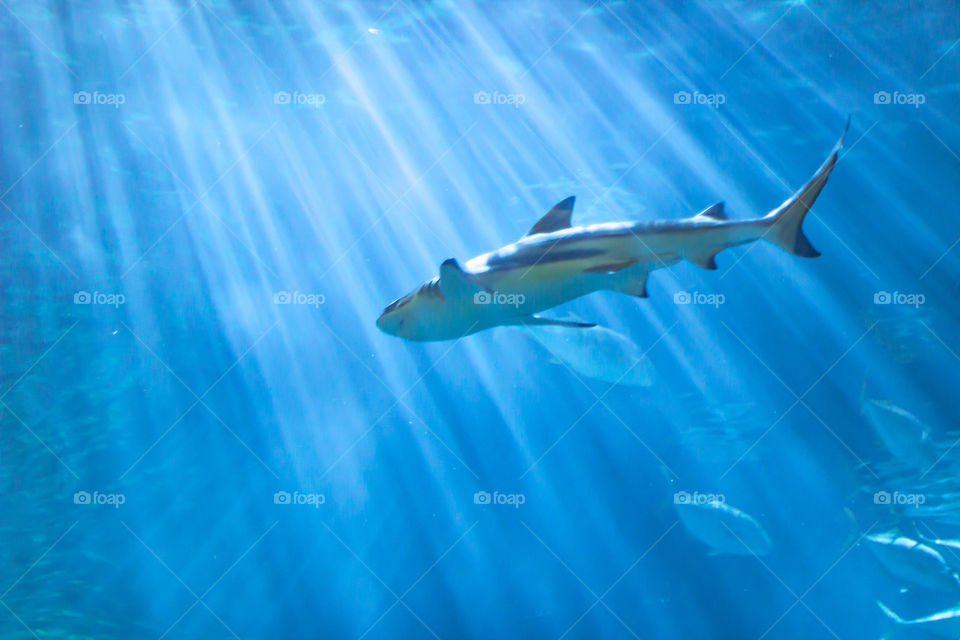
x=635 y=286
x=706 y=261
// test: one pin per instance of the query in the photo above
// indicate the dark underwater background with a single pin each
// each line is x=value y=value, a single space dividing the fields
x=206 y=205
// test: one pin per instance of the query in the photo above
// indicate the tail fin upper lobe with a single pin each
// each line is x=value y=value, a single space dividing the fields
x=787 y=220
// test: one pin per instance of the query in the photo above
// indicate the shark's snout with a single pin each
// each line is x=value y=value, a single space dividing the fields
x=389 y=323
x=382 y=322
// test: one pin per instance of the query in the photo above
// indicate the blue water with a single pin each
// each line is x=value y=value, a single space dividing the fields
x=182 y=457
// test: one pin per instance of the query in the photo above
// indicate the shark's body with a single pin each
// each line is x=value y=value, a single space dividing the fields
x=556 y=262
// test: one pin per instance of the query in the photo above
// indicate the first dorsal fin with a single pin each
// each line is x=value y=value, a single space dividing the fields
x=556 y=219
x=713 y=213
x=454 y=282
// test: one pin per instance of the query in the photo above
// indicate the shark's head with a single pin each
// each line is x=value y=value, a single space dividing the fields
x=446 y=308
x=415 y=315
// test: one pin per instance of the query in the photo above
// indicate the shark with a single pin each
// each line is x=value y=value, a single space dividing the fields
x=556 y=262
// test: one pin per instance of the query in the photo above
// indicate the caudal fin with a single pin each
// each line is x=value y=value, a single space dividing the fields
x=787 y=220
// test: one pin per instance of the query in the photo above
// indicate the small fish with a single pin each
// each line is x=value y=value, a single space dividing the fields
x=913 y=561
x=723 y=528
x=945 y=623
x=902 y=433
x=949 y=549
x=597 y=352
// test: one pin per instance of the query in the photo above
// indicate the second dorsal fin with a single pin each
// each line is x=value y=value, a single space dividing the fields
x=713 y=213
x=556 y=219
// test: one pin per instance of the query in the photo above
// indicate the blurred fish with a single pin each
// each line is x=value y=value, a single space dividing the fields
x=949 y=549
x=945 y=623
x=597 y=352
x=912 y=561
x=902 y=331
x=944 y=506
x=902 y=433
x=722 y=527
x=723 y=434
